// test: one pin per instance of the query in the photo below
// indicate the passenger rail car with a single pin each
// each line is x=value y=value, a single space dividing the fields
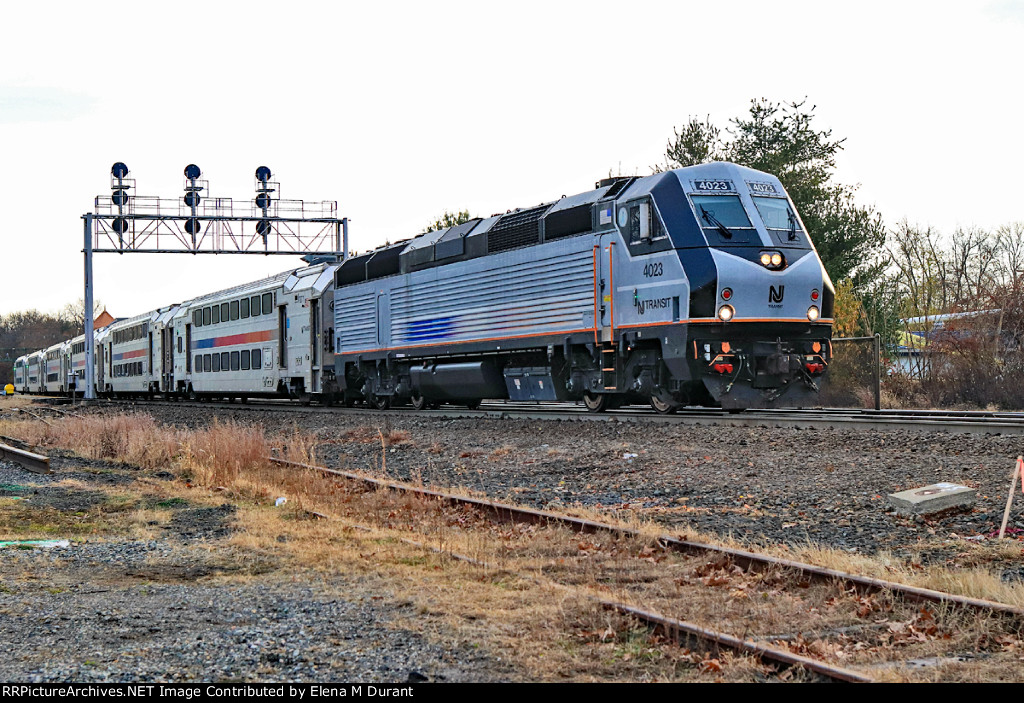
x=693 y=286
x=56 y=368
x=36 y=375
x=262 y=339
x=21 y=374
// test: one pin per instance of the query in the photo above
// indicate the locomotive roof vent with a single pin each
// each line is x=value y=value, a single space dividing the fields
x=617 y=183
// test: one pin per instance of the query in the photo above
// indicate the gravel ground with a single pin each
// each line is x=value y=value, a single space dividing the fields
x=114 y=609
x=755 y=484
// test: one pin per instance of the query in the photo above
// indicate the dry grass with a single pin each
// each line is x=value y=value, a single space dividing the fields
x=135 y=438
x=528 y=598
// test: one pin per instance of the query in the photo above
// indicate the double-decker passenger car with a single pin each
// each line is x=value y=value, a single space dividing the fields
x=260 y=339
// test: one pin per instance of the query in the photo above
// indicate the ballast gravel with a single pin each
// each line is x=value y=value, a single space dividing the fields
x=759 y=485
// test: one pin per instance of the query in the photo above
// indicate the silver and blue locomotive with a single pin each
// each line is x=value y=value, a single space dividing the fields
x=693 y=286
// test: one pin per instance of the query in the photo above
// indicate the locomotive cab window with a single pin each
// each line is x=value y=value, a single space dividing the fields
x=724 y=220
x=644 y=223
x=781 y=222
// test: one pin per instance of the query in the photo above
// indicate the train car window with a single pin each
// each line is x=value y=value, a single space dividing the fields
x=216 y=362
x=255 y=301
x=197 y=318
x=268 y=303
x=207 y=364
x=216 y=314
x=199 y=362
x=723 y=219
x=224 y=312
x=257 y=358
x=780 y=221
x=234 y=310
x=225 y=361
x=179 y=345
x=244 y=308
x=235 y=362
x=245 y=360
x=207 y=316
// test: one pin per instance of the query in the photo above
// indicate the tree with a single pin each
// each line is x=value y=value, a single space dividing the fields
x=779 y=138
x=449 y=219
x=73 y=314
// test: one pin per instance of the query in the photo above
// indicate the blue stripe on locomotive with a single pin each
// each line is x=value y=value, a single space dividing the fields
x=429 y=330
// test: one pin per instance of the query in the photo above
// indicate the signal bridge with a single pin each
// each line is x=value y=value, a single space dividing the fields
x=196 y=223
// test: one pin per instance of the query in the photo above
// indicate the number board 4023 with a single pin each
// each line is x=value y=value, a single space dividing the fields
x=713 y=185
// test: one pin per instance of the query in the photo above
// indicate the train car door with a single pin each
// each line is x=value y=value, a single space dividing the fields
x=167 y=359
x=99 y=367
x=605 y=286
x=314 y=344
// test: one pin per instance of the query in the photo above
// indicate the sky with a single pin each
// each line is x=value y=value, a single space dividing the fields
x=399 y=111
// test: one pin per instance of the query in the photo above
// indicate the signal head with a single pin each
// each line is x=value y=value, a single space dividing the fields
x=263 y=173
x=118 y=170
x=192 y=172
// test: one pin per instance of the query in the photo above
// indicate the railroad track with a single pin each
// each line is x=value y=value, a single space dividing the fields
x=21 y=456
x=725 y=557
x=975 y=422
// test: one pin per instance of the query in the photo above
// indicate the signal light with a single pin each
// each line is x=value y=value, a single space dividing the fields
x=726 y=293
x=813 y=313
x=726 y=313
x=814 y=294
x=119 y=225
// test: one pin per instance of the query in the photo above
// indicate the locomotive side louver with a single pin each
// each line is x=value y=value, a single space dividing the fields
x=516 y=229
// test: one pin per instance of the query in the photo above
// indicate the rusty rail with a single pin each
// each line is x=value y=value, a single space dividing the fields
x=744 y=558
x=36 y=463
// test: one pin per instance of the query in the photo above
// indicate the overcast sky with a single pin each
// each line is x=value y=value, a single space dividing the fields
x=401 y=110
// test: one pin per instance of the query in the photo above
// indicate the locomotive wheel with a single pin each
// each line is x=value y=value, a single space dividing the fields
x=418 y=403
x=596 y=403
x=662 y=406
x=381 y=402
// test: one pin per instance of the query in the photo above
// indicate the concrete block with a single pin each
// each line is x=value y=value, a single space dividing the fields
x=932 y=499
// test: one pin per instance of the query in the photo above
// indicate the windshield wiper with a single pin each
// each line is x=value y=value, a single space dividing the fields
x=792 y=225
x=713 y=221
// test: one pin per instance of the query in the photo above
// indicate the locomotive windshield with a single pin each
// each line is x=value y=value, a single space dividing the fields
x=780 y=221
x=723 y=219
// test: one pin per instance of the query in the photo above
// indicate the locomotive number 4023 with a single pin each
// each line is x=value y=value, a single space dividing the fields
x=712 y=185
x=653 y=269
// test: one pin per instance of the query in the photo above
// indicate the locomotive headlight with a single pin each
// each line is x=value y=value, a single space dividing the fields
x=766 y=259
x=812 y=313
x=776 y=259
x=725 y=313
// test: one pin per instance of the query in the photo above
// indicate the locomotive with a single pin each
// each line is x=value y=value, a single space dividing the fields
x=696 y=286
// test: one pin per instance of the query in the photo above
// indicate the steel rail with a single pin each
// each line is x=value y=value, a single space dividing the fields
x=929 y=421
x=679 y=632
x=750 y=560
x=36 y=463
